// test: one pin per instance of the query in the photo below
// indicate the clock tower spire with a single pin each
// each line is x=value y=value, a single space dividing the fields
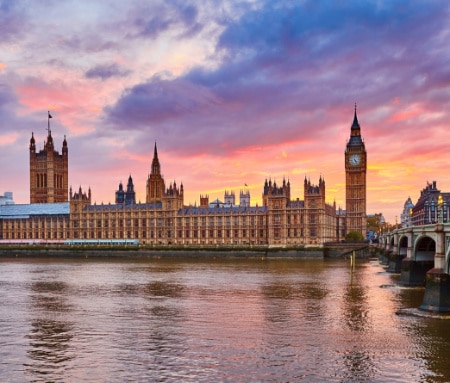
x=355 y=180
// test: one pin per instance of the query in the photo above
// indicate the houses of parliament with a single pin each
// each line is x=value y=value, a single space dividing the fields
x=57 y=213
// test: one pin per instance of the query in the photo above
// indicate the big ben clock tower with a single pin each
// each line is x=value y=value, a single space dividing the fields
x=355 y=180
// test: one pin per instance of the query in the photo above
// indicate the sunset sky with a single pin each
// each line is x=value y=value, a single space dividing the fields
x=233 y=93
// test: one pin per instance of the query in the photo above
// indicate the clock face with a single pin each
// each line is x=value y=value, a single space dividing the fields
x=355 y=160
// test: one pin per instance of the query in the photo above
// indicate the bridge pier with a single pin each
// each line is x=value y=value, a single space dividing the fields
x=395 y=263
x=437 y=288
x=384 y=257
x=414 y=273
x=437 y=292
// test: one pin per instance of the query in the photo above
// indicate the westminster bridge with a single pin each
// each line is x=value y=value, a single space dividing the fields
x=421 y=254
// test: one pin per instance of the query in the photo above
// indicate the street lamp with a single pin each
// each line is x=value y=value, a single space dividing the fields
x=410 y=217
x=440 y=212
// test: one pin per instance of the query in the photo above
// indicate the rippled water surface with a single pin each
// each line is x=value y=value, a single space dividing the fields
x=213 y=321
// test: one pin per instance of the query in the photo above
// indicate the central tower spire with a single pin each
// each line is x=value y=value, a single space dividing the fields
x=155 y=182
x=156 y=167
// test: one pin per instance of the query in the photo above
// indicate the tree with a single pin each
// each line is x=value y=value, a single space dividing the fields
x=354 y=236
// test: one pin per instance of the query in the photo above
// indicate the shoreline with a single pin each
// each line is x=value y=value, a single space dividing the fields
x=146 y=253
x=333 y=251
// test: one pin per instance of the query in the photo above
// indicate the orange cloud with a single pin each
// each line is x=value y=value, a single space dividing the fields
x=2 y=66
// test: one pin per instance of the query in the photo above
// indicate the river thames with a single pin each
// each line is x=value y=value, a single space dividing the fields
x=214 y=321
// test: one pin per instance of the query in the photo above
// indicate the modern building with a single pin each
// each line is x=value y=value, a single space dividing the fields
x=7 y=199
x=355 y=180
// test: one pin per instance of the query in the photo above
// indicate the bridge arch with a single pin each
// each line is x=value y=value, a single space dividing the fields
x=424 y=248
x=403 y=245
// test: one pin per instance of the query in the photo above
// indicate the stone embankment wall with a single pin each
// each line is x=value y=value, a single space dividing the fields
x=345 y=250
x=161 y=253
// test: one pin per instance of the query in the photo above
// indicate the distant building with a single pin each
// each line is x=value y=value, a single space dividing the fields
x=7 y=199
x=427 y=210
x=127 y=197
x=341 y=224
x=375 y=225
x=120 y=194
x=406 y=215
x=229 y=198
x=244 y=198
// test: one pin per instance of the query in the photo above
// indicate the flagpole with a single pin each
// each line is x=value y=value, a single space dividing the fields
x=48 y=122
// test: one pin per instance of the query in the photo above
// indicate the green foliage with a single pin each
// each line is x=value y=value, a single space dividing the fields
x=373 y=223
x=354 y=236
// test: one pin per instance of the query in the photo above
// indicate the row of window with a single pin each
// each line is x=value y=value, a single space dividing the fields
x=187 y=233
x=52 y=223
x=22 y=224
x=212 y=221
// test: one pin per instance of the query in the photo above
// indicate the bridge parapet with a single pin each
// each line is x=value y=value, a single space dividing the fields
x=407 y=241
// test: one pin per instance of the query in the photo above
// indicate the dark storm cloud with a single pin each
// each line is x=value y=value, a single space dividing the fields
x=106 y=71
x=281 y=62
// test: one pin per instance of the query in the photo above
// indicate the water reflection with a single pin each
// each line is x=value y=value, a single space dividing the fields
x=355 y=310
x=50 y=336
x=360 y=366
x=431 y=339
x=164 y=289
x=230 y=321
x=357 y=359
x=49 y=348
x=164 y=342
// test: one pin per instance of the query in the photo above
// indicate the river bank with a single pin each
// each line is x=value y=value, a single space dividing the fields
x=136 y=252
x=333 y=251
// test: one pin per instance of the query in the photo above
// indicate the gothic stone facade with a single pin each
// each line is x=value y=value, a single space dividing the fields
x=165 y=220
x=48 y=172
x=355 y=181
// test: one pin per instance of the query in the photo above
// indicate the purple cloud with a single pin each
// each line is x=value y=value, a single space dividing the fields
x=106 y=71
x=281 y=63
x=153 y=20
x=12 y=20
